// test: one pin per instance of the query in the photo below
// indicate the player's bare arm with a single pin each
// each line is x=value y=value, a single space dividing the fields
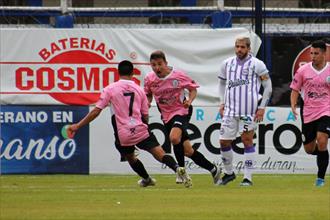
x=293 y=100
x=72 y=129
x=145 y=119
x=222 y=109
x=192 y=96
x=149 y=97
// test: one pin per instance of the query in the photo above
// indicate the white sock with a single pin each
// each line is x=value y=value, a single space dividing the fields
x=249 y=153
x=227 y=159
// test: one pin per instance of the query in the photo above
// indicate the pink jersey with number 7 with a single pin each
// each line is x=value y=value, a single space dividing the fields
x=128 y=103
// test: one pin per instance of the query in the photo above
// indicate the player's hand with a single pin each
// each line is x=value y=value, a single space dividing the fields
x=259 y=115
x=221 y=110
x=186 y=103
x=294 y=111
x=71 y=131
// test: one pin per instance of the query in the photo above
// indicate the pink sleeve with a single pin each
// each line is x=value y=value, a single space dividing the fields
x=104 y=99
x=297 y=81
x=187 y=82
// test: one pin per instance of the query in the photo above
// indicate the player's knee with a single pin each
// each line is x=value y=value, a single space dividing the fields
x=247 y=141
x=188 y=152
x=225 y=143
x=309 y=149
x=175 y=139
x=322 y=144
x=322 y=140
x=158 y=157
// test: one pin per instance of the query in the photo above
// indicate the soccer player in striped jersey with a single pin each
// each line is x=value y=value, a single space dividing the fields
x=129 y=110
x=168 y=85
x=240 y=79
x=312 y=81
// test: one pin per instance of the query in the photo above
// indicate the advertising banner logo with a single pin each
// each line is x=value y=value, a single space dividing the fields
x=73 y=71
x=72 y=66
x=31 y=140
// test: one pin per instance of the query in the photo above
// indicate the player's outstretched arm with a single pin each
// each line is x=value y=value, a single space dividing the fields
x=72 y=129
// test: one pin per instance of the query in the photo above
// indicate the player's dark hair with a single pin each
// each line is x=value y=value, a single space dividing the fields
x=319 y=44
x=125 y=68
x=157 y=55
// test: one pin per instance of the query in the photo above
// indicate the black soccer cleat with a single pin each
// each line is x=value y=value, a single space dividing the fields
x=246 y=182
x=227 y=178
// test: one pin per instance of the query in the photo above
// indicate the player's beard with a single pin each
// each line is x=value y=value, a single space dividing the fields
x=242 y=55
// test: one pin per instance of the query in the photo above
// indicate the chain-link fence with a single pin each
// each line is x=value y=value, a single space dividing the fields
x=300 y=16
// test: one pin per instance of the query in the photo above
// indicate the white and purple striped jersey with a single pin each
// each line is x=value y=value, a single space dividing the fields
x=242 y=85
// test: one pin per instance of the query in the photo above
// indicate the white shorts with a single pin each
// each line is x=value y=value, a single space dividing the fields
x=231 y=125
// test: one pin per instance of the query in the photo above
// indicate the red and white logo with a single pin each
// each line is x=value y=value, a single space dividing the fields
x=73 y=71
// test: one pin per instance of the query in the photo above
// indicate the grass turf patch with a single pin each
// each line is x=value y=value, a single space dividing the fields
x=119 y=197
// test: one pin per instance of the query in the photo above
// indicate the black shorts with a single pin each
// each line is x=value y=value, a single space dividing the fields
x=179 y=121
x=147 y=144
x=309 y=130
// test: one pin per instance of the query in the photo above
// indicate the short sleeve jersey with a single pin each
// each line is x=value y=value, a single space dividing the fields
x=128 y=103
x=169 y=92
x=242 y=85
x=314 y=87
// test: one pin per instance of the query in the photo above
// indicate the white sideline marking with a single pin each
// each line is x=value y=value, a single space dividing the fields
x=84 y=189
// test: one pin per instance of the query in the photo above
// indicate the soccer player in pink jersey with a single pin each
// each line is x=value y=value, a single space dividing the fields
x=129 y=109
x=240 y=79
x=312 y=81
x=167 y=85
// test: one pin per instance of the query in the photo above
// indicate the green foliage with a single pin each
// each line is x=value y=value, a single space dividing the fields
x=119 y=197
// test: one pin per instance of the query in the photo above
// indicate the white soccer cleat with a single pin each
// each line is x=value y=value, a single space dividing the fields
x=178 y=179
x=217 y=176
x=147 y=182
x=182 y=173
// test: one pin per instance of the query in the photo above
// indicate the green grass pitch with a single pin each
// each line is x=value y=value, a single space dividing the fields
x=116 y=197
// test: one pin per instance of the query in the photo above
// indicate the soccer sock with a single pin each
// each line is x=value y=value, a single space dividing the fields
x=322 y=161
x=170 y=162
x=227 y=159
x=139 y=169
x=214 y=170
x=249 y=153
x=316 y=150
x=201 y=161
x=179 y=154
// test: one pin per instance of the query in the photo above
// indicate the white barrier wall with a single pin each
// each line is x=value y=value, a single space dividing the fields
x=277 y=140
